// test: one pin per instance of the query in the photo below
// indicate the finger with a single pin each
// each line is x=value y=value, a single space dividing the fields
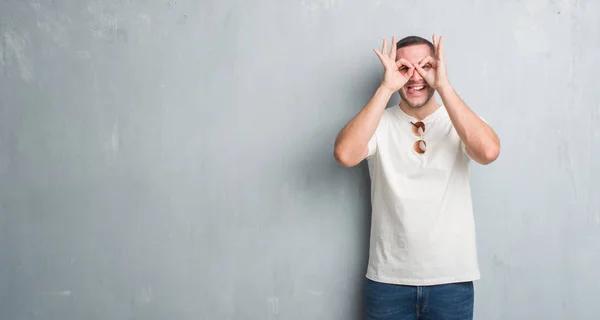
x=404 y=66
x=420 y=70
x=426 y=60
x=393 y=49
x=441 y=48
x=379 y=55
x=403 y=62
x=384 y=46
x=410 y=73
x=436 y=45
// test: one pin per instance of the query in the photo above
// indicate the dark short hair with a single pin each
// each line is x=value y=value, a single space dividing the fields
x=414 y=40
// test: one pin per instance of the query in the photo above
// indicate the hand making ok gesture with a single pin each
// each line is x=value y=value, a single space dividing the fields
x=433 y=69
x=393 y=78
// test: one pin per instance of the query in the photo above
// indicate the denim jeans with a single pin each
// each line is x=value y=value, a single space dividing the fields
x=452 y=301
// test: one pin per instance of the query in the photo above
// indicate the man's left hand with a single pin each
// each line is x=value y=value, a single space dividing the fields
x=433 y=69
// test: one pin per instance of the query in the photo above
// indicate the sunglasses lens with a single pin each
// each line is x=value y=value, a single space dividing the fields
x=419 y=128
x=420 y=146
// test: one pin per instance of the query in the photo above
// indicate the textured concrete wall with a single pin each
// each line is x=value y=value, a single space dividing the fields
x=172 y=159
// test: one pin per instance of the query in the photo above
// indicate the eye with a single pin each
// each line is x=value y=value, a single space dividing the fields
x=427 y=66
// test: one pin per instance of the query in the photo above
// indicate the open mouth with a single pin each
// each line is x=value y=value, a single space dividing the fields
x=415 y=89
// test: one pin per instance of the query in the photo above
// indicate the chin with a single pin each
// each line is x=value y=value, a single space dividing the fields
x=416 y=102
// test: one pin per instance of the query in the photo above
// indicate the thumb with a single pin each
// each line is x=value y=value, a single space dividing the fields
x=410 y=72
x=420 y=70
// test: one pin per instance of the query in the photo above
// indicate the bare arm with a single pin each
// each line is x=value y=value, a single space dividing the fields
x=481 y=142
x=351 y=145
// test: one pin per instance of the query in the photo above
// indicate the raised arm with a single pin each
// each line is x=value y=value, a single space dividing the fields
x=481 y=142
x=351 y=145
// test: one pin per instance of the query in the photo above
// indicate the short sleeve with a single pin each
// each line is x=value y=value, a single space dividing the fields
x=372 y=146
x=374 y=141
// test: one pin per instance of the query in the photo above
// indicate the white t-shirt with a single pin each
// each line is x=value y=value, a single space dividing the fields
x=422 y=230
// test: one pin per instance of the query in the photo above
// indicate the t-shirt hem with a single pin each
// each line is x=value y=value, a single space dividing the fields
x=424 y=282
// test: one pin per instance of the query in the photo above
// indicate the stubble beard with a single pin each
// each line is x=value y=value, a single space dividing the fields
x=416 y=106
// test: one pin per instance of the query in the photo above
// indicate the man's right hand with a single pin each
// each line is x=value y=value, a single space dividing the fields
x=396 y=73
x=352 y=143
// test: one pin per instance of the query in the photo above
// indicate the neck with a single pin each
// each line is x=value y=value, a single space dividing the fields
x=420 y=113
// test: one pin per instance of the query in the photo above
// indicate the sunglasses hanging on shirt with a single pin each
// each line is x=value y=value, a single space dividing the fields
x=420 y=145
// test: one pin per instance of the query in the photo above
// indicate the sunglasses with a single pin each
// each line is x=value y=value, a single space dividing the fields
x=419 y=129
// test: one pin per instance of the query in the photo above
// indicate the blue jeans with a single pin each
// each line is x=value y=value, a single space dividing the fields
x=452 y=301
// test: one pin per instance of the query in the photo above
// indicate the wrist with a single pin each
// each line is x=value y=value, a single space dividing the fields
x=444 y=88
x=383 y=89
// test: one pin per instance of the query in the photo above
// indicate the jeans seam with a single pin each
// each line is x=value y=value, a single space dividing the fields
x=426 y=299
x=418 y=294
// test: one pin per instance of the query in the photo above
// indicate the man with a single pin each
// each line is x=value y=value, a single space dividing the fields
x=422 y=259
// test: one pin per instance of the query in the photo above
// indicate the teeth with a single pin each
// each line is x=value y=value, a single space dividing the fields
x=419 y=88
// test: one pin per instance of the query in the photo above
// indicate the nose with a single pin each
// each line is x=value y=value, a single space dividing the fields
x=416 y=76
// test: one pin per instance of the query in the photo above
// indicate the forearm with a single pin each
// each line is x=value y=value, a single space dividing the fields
x=481 y=142
x=352 y=141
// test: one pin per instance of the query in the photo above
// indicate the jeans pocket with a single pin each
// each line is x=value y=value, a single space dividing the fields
x=383 y=299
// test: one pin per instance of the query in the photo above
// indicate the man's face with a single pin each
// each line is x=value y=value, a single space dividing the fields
x=416 y=92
